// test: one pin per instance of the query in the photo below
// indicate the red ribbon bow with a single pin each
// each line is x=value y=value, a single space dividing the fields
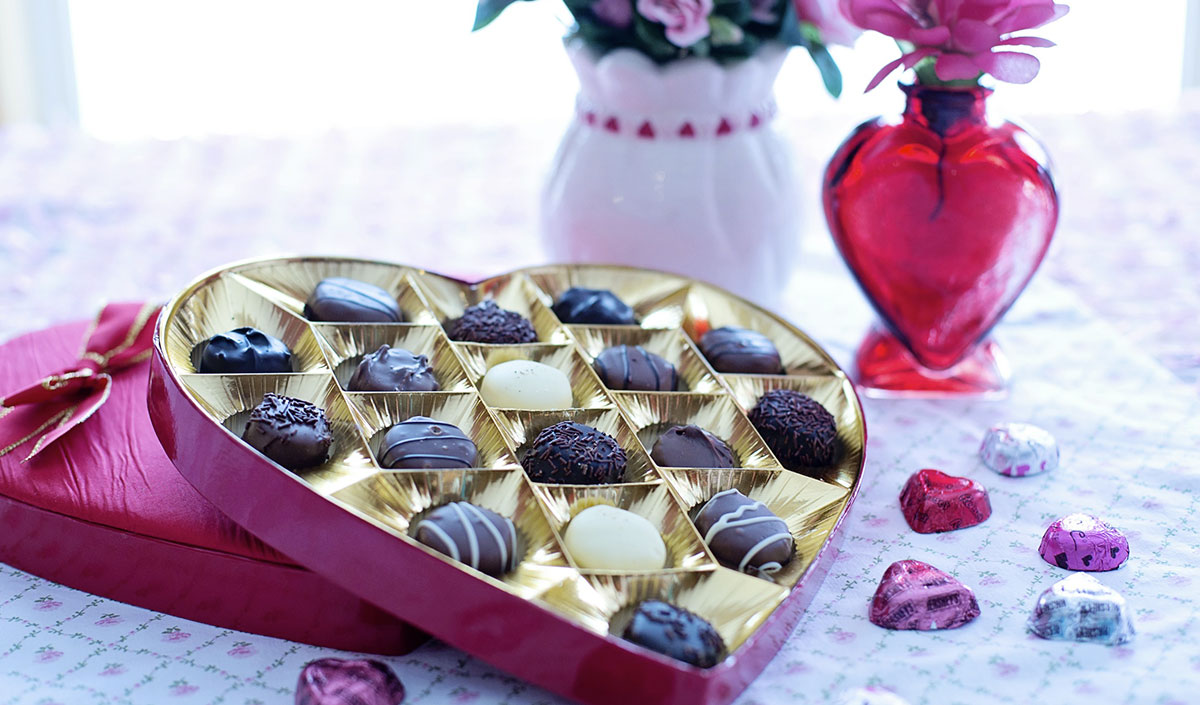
x=120 y=337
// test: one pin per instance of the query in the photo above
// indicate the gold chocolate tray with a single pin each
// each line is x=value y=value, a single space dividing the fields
x=673 y=312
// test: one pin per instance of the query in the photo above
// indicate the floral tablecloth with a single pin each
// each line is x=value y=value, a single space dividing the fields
x=1105 y=347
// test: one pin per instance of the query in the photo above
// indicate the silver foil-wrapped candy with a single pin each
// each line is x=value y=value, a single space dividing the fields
x=334 y=681
x=1019 y=449
x=1081 y=608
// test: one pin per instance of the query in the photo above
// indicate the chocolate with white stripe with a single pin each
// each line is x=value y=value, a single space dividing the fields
x=420 y=443
x=472 y=535
x=743 y=534
x=633 y=368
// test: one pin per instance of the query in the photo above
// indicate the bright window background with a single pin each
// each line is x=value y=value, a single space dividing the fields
x=173 y=68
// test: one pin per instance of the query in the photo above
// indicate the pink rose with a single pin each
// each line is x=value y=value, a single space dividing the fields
x=827 y=15
x=763 y=11
x=686 y=20
x=618 y=13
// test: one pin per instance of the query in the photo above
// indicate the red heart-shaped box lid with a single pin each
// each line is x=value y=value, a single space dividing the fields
x=547 y=621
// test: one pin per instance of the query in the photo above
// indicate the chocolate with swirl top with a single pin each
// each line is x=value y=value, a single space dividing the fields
x=632 y=368
x=744 y=535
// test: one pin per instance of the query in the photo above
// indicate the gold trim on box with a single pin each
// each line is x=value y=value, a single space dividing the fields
x=224 y=305
x=392 y=500
x=695 y=375
x=345 y=345
x=379 y=411
x=656 y=298
x=230 y=398
x=290 y=283
x=586 y=389
x=448 y=298
x=809 y=507
x=651 y=414
x=836 y=394
x=653 y=501
x=521 y=428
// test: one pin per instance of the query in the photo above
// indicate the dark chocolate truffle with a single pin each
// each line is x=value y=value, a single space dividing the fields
x=471 y=534
x=485 y=322
x=674 y=631
x=342 y=300
x=292 y=432
x=633 y=368
x=393 y=370
x=420 y=443
x=741 y=351
x=744 y=535
x=594 y=307
x=243 y=351
x=799 y=431
x=691 y=447
x=570 y=453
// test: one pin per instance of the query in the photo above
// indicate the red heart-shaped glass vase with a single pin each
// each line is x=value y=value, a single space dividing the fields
x=943 y=217
x=548 y=620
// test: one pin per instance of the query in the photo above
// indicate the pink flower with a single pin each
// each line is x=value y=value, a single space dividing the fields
x=686 y=20
x=618 y=13
x=827 y=15
x=962 y=34
x=763 y=11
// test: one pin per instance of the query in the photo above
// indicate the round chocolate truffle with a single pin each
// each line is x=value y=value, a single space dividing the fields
x=485 y=322
x=604 y=537
x=420 y=443
x=628 y=367
x=741 y=351
x=674 y=631
x=471 y=534
x=594 y=307
x=393 y=370
x=342 y=300
x=744 y=535
x=799 y=431
x=292 y=432
x=244 y=351
x=691 y=447
x=570 y=453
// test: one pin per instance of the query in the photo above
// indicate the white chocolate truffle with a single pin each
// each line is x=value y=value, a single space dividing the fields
x=524 y=384
x=604 y=537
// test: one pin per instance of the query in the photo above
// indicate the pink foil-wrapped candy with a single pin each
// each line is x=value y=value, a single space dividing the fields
x=915 y=595
x=1019 y=449
x=1083 y=542
x=333 y=681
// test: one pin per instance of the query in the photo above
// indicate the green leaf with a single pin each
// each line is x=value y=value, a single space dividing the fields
x=488 y=10
x=724 y=31
x=790 y=31
x=830 y=74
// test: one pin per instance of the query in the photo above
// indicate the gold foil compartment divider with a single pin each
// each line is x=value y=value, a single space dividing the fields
x=345 y=346
x=396 y=501
x=809 y=507
x=735 y=604
x=229 y=399
x=522 y=427
x=222 y=305
x=836 y=394
x=651 y=414
x=653 y=501
x=586 y=389
x=707 y=309
x=514 y=292
x=657 y=298
x=379 y=411
x=672 y=345
x=291 y=282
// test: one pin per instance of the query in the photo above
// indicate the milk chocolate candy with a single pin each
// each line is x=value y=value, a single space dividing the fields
x=741 y=351
x=691 y=447
x=393 y=370
x=342 y=300
x=744 y=534
x=633 y=368
x=674 y=631
x=420 y=443
x=472 y=535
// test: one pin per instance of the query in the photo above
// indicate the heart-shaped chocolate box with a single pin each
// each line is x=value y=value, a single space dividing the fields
x=547 y=621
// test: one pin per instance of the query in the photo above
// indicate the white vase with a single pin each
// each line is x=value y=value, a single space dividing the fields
x=676 y=167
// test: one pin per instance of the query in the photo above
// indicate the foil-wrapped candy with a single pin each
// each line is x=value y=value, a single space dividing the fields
x=933 y=502
x=1081 y=608
x=333 y=681
x=1084 y=542
x=915 y=595
x=1019 y=449
x=870 y=695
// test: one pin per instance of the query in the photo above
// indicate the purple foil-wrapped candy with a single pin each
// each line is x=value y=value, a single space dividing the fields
x=1080 y=608
x=1083 y=542
x=871 y=695
x=915 y=595
x=334 y=681
x=1019 y=449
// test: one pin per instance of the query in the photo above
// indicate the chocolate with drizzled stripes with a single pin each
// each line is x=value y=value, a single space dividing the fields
x=472 y=535
x=744 y=534
x=632 y=367
x=420 y=443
